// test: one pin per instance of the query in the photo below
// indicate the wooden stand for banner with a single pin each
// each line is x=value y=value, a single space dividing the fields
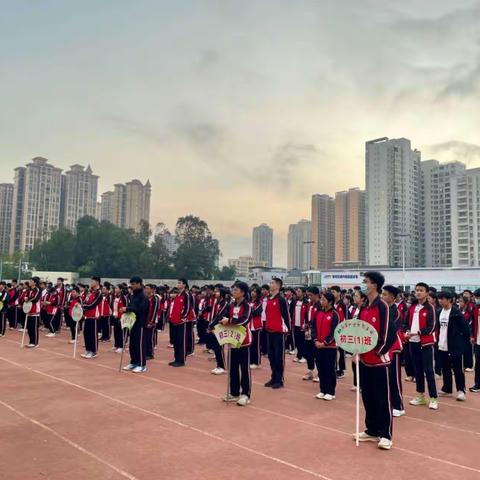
x=24 y=330
x=76 y=340
x=229 y=347
x=125 y=336
x=357 y=408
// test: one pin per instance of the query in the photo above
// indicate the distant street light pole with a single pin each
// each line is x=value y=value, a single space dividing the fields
x=403 y=236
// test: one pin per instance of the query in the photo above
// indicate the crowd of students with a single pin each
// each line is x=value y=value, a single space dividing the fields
x=431 y=335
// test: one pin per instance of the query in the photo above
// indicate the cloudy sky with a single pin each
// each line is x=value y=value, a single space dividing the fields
x=237 y=111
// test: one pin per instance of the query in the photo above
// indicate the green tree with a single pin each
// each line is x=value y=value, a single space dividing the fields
x=197 y=253
x=162 y=260
x=225 y=273
x=56 y=253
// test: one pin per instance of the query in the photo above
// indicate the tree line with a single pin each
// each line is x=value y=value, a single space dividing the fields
x=103 y=249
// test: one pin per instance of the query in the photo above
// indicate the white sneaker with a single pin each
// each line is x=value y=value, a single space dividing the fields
x=398 y=413
x=365 y=437
x=71 y=342
x=51 y=335
x=296 y=360
x=129 y=367
x=230 y=398
x=113 y=348
x=385 y=444
x=254 y=366
x=316 y=379
x=469 y=369
x=170 y=345
x=84 y=355
x=418 y=400
x=433 y=404
x=329 y=397
x=461 y=397
x=441 y=393
x=243 y=401
x=308 y=375
x=118 y=350
x=139 y=369
x=291 y=352
x=31 y=345
x=302 y=360
x=409 y=379
x=353 y=388
x=218 y=371
x=89 y=355
x=320 y=396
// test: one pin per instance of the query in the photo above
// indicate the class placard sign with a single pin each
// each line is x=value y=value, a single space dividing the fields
x=27 y=307
x=127 y=320
x=233 y=335
x=77 y=313
x=356 y=336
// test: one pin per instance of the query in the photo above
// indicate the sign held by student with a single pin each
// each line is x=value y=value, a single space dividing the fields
x=356 y=336
x=230 y=334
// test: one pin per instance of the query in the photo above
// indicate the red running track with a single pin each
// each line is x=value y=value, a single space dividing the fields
x=82 y=419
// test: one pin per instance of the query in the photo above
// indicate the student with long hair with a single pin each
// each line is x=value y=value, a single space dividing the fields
x=298 y=322
x=256 y=327
x=359 y=312
x=313 y=295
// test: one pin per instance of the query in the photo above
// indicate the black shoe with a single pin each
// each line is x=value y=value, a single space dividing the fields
x=269 y=383
x=176 y=364
x=277 y=385
x=475 y=389
x=150 y=357
x=340 y=374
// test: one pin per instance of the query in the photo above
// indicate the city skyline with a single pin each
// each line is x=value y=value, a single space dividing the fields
x=297 y=95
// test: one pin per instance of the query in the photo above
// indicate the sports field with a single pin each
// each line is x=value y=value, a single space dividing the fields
x=81 y=419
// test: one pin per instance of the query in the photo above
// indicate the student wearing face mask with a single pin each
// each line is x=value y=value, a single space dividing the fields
x=374 y=372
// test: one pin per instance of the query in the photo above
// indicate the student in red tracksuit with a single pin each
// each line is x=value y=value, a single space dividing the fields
x=313 y=295
x=277 y=325
x=374 y=373
x=240 y=375
x=221 y=310
x=73 y=299
x=189 y=326
x=256 y=327
x=91 y=314
x=180 y=311
x=359 y=312
x=61 y=293
x=152 y=316
x=33 y=322
x=422 y=336
x=3 y=310
x=51 y=303
x=290 y=338
x=105 y=311
x=298 y=323
x=119 y=302
x=475 y=339
x=389 y=295
x=11 y=307
x=323 y=329
x=341 y=310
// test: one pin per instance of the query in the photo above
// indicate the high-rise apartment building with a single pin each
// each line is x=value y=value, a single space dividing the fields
x=79 y=195
x=393 y=203
x=6 y=203
x=128 y=205
x=323 y=232
x=36 y=203
x=262 y=244
x=243 y=265
x=299 y=245
x=350 y=227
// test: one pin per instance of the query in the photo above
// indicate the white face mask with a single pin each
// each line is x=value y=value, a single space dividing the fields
x=364 y=288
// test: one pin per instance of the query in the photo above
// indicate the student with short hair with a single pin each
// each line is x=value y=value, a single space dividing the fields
x=374 y=372
x=277 y=325
x=453 y=332
x=313 y=294
x=91 y=315
x=422 y=337
x=475 y=340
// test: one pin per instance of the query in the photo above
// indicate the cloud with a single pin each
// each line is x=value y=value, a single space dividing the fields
x=469 y=153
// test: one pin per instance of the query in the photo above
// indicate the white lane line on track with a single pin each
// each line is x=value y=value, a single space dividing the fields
x=68 y=441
